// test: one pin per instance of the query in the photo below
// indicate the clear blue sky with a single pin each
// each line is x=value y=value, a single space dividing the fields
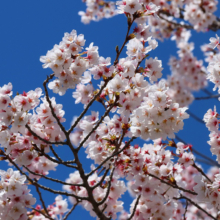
x=30 y=28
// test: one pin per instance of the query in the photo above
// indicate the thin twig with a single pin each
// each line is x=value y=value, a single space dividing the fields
x=96 y=126
x=184 y=215
x=42 y=139
x=102 y=179
x=58 y=158
x=52 y=159
x=42 y=201
x=50 y=103
x=108 y=189
x=101 y=171
x=135 y=207
x=193 y=203
x=44 y=187
x=42 y=213
x=174 y=186
x=126 y=40
x=71 y=210
x=51 y=179
x=111 y=156
x=201 y=171
x=204 y=161
x=55 y=154
x=198 y=153
x=195 y=117
x=84 y=178
x=174 y=23
x=87 y=107
x=208 y=97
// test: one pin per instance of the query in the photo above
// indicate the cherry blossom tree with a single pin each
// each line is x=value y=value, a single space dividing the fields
x=162 y=175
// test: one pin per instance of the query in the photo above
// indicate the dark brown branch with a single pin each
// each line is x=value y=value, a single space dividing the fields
x=196 y=205
x=135 y=207
x=184 y=215
x=139 y=63
x=195 y=166
x=50 y=104
x=40 y=138
x=201 y=171
x=172 y=22
x=208 y=97
x=44 y=187
x=200 y=154
x=84 y=178
x=52 y=179
x=59 y=192
x=52 y=159
x=42 y=213
x=174 y=186
x=87 y=107
x=121 y=139
x=102 y=179
x=118 y=52
x=71 y=210
x=58 y=158
x=215 y=26
x=105 y=206
x=195 y=117
x=204 y=161
x=98 y=123
x=207 y=91
x=108 y=189
x=108 y=158
x=101 y=170
x=56 y=155
x=42 y=201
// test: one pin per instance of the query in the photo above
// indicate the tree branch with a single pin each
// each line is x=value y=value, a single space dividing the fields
x=42 y=201
x=201 y=171
x=108 y=158
x=71 y=210
x=39 y=211
x=207 y=97
x=196 y=205
x=52 y=159
x=41 y=186
x=40 y=138
x=51 y=179
x=135 y=207
x=96 y=126
x=174 y=186
x=50 y=104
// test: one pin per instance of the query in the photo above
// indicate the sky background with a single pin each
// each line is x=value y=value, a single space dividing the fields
x=30 y=28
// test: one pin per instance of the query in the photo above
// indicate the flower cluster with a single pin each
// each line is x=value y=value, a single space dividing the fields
x=97 y=10
x=14 y=196
x=200 y=13
x=19 y=143
x=55 y=211
x=68 y=63
x=144 y=167
x=188 y=74
x=212 y=121
x=157 y=115
x=214 y=65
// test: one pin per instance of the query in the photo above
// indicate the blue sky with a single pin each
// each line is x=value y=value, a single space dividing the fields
x=30 y=28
